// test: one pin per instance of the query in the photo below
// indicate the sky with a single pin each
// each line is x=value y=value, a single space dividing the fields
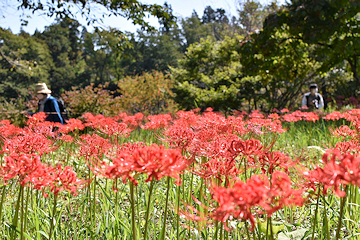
x=181 y=8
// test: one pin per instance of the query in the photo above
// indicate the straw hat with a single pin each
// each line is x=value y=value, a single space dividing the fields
x=42 y=88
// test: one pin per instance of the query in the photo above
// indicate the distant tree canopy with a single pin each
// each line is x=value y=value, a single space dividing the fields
x=262 y=58
x=133 y=10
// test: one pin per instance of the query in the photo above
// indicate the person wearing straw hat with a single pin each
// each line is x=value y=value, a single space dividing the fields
x=48 y=103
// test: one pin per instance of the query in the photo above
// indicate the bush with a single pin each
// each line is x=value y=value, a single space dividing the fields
x=149 y=93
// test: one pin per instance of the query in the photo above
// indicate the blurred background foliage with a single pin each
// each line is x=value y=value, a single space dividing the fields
x=263 y=58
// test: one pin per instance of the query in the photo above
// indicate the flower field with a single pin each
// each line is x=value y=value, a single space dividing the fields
x=186 y=176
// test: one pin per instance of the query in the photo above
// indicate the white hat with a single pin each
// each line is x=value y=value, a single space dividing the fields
x=42 y=88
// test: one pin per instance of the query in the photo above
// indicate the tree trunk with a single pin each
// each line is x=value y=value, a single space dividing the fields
x=353 y=65
x=324 y=91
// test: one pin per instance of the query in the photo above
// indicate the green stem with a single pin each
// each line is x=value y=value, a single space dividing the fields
x=247 y=230
x=2 y=201
x=326 y=221
x=116 y=210
x=221 y=230
x=94 y=203
x=316 y=212
x=132 y=199
x=148 y=208
x=189 y=200
x=53 y=218
x=162 y=236
x=16 y=216
x=267 y=228
x=178 y=216
x=29 y=191
x=216 y=230
x=22 y=216
x=342 y=204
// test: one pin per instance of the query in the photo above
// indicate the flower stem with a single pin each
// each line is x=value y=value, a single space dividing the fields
x=116 y=210
x=29 y=191
x=342 y=204
x=162 y=236
x=326 y=221
x=53 y=217
x=16 y=216
x=22 y=216
x=177 y=211
x=133 y=227
x=221 y=230
x=216 y=230
x=2 y=201
x=94 y=203
x=148 y=208
x=247 y=230
x=316 y=213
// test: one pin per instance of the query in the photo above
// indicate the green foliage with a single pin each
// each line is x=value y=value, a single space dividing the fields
x=149 y=93
x=330 y=26
x=134 y=10
x=12 y=110
x=209 y=75
x=24 y=61
x=91 y=99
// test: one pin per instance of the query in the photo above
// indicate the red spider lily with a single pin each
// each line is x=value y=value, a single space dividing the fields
x=132 y=121
x=339 y=169
x=29 y=143
x=93 y=148
x=256 y=114
x=22 y=166
x=65 y=179
x=66 y=138
x=349 y=147
x=218 y=168
x=158 y=121
x=38 y=121
x=8 y=130
x=274 y=116
x=282 y=193
x=238 y=200
x=333 y=116
x=241 y=200
x=157 y=162
x=344 y=131
x=179 y=136
x=261 y=126
x=298 y=116
x=57 y=179
x=273 y=160
x=245 y=148
x=186 y=118
x=106 y=125
x=154 y=160
x=72 y=125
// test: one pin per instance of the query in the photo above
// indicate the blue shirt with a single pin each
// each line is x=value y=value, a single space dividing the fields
x=52 y=110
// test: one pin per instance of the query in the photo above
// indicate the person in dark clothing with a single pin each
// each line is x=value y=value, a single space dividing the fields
x=313 y=99
x=48 y=103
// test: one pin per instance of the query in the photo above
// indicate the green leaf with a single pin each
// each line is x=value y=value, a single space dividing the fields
x=295 y=235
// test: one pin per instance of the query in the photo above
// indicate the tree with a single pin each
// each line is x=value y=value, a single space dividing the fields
x=24 y=61
x=193 y=30
x=209 y=75
x=133 y=10
x=252 y=15
x=63 y=40
x=331 y=26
